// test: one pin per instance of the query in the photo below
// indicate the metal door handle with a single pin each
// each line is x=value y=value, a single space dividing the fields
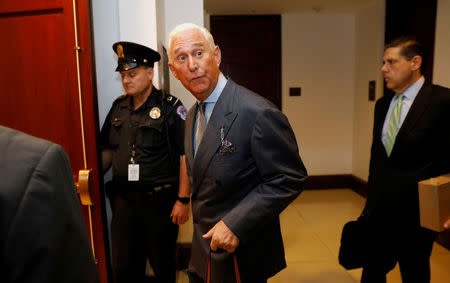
x=84 y=185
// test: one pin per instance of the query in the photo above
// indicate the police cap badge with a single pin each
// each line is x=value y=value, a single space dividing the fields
x=131 y=55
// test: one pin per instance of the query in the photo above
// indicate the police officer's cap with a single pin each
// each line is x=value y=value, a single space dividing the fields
x=131 y=55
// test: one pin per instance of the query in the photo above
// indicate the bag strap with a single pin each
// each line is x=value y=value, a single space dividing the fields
x=236 y=269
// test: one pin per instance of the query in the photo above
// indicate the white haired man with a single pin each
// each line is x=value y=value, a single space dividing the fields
x=243 y=165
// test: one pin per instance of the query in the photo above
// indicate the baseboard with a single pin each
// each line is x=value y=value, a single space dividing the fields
x=359 y=186
x=321 y=182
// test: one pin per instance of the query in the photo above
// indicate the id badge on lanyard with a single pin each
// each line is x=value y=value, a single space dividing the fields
x=133 y=169
x=133 y=172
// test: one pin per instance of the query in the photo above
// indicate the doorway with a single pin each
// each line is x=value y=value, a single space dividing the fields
x=251 y=52
x=48 y=90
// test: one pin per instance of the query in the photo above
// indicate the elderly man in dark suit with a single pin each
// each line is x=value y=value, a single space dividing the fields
x=43 y=237
x=411 y=142
x=243 y=164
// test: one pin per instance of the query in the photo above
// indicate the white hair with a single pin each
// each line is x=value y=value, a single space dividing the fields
x=189 y=26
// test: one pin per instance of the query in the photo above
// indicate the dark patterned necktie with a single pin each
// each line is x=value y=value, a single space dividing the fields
x=201 y=124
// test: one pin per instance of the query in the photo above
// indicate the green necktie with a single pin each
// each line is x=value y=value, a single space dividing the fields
x=392 y=128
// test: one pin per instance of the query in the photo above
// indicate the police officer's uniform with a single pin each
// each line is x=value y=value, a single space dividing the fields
x=149 y=142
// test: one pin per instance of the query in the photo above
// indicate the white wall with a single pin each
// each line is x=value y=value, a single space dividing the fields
x=369 y=49
x=441 y=67
x=106 y=32
x=207 y=20
x=178 y=12
x=137 y=21
x=161 y=31
x=318 y=56
x=113 y=21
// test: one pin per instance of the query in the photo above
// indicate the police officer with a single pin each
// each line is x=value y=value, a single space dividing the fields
x=142 y=138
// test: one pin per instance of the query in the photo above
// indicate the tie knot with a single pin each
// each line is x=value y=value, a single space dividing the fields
x=201 y=107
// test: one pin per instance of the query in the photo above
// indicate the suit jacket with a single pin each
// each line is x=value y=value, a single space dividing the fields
x=43 y=237
x=246 y=183
x=421 y=151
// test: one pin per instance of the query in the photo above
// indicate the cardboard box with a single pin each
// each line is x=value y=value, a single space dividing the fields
x=434 y=202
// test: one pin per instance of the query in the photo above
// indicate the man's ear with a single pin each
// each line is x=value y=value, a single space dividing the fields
x=172 y=69
x=416 y=62
x=217 y=55
x=150 y=73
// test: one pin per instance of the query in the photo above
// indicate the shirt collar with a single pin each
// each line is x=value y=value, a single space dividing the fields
x=214 y=96
x=411 y=92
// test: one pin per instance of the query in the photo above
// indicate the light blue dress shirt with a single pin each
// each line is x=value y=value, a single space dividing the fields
x=210 y=102
x=409 y=95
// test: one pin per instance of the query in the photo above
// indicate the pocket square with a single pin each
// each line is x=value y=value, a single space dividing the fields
x=225 y=145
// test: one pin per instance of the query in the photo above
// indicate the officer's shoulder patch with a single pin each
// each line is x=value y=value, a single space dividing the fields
x=181 y=111
x=172 y=99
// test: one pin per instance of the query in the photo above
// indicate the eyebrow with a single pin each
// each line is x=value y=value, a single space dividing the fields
x=195 y=45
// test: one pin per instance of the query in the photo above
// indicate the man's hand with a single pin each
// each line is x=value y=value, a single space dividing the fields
x=180 y=213
x=447 y=224
x=222 y=238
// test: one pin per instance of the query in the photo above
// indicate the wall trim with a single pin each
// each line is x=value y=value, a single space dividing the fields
x=359 y=186
x=339 y=181
x=322 y=182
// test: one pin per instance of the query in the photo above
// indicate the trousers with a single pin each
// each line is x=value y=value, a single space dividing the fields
x=411 y=249
x=142 y=229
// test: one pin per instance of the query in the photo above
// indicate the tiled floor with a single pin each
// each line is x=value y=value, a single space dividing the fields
x=311 y=228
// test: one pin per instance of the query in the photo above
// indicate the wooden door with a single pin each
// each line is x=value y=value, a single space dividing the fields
x=251 y=52
x=47 y=88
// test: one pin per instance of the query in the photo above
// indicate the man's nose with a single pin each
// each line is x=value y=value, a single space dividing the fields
x=192 y=64
x=384 y=68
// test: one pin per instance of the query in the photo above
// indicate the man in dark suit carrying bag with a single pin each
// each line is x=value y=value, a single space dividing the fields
x=411 y=142
x=243 y=165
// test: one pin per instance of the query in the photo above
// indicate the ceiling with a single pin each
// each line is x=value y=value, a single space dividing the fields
x=248 y=7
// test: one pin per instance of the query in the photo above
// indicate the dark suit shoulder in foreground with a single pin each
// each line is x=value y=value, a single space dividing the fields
x=42 y=234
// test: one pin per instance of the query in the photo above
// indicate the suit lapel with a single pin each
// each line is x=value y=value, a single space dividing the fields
x=384 y=107
x=188 y=136
x=420 y=104
x=417 y=109
x=222 y=116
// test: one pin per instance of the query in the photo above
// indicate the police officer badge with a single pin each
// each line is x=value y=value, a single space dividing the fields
x=155 y=113
x=120 y=54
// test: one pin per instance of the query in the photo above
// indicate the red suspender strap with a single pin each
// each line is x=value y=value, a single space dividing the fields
x=236 y=269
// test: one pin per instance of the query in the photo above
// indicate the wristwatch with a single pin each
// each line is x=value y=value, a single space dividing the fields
x=184 y=200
